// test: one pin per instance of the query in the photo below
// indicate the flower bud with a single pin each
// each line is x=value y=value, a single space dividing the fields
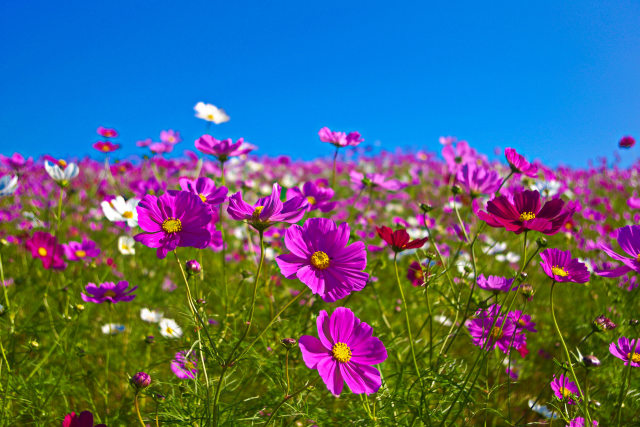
x=141 y=380
x=633 y=322
x=288 y=342
x=193 y=267
x=426 y=207
x=590 y=361
x=527 y=290
x=456 y=189
x=150 y=339
x=542 y=242
x=602 y=323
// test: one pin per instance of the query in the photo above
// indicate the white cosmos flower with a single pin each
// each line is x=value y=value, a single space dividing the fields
x=151 y=316
x=126 y=245
x=118 y=210
x=547 y=188
x=510 y=257
x=61 y=172
x=8 y=185
x=170 y=329
x=112 y=328
x=210 y=113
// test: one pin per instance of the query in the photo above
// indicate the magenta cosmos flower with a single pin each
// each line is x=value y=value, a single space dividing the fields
x=559 y=266
x=523 y=212
x=106 y=146
x=108 y=292
x=224 y=149
x=519 y=164
x=267 y=210
x=79 y=251
x=626 y=142
x=629 y=241
x=626 y=351
x=580 y=422
x=477 y=180
x=205 y=188
x=495 y=283
x=185 y=367
x=172 y=221
x=84 y=419
x=345 y=351
x=317 y=196
x=376 y=180
x=46 y=247
x=565 y=390
x=339 y=139
x=106 y=132
x=170 y=136
x=322 y=259
x=487 y=331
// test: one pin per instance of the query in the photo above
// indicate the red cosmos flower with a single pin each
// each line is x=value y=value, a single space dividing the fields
x=626 y=142
x=107 y=133
x=106 y=146
x=399 y=239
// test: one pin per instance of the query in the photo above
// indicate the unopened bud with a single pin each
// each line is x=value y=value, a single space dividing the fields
x=193 y=267
x=141 y=380
x=425 y=207
x=590 y=361
x=633 y=322
x=602 y=323
x=288 y=342
x=150 y=339
x=456 y=189
x=526 y=290
x=542 y=242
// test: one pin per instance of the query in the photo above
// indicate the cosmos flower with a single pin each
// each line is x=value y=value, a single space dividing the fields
x=126 y=245
x=415 y=274
x=46 y=247
x=629 y=241
x=8 y=185
x=119 y=210
x=580 y=422
x=107 y=133
x=267 y=210
x=522 y=212
x=560 y=267
x=79 y=251
x=61 y=172
x=476 y=180
x=170 y=136
x=84 y=419
x=169 y=328
x=495 y=283
x=459 y=155
x=627 y=351
x=106 y=146
x=222 y=149
x=339 y=139
x=151 y=316
x=522 y=321
x=16 y=161
x=210 y=113
x=322 y=259
x=172 y=221
x=626 y=142
x=113 y=328
x=160 y=147
x=109 y=292
x=205 y=188
x=185 y=367
x=317 y=196
x=565 y=390
x=519 y=164
x=399 y=239
x=487 y=331
x=376 y=180
x=344 y=352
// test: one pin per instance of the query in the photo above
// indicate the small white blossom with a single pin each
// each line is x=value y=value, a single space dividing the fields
x=119 y=210
x=151 y=316
x=126 y=245
x=112 y=329
x=170 y=329
x=210 y=113
x=61 y=172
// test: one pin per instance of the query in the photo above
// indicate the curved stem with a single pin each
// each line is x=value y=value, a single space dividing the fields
x=135 y=402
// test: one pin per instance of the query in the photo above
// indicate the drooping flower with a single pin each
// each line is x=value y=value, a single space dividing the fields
x=46 y=247
x=565 y=390
x=322 y=259
x=106 y=133
x=267 y=210
x=476 y=180
x=119 y=210
x=170 y=136
x=109 y=292
x=223 y=149
x=523 y=212
x=84 y=419
x=629 y=241
x=169 y=328
x=126 y=245
x=519 y=164
x=626 y=142
x=185 y=367
x=205 y=188
x=210 y=113
x=559 y=266
x=626 y=350
x=345 y=352
x=172 y=221
x=61 y=172
x=399 y=239
x=487 y=330
x=106 y=146
x=495 y=283
x=150 y=316
x=317 y=196
x=339 y=139
x=79 y=251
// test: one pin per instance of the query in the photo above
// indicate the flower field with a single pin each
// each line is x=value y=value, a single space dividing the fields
x=405 y=288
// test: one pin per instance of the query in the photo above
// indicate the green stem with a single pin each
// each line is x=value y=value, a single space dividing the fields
x=333 y=176
x=6 y=300
x=288 y=397
x=624 y=387
x=135 y=402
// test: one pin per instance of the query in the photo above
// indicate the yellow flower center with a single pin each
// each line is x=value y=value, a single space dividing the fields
x=169 y=331
x=311 y=200
x=110 y=293
x=341 y=352
x=105 y=148
x=496 y=333
x=80 y=253
x=203 y=198
x=128 y=214
x=320 y=260
x=521 y=322
x=62 y=163
x=419 y=274
x=566 y=393
x=256 y=213
x=634 y=357
x=172 y=225
x=189 y=366
x=42 y=251
x=527 y=216
x=559 y=271
x=210 y=117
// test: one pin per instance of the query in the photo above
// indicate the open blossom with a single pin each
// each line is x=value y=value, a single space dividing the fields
x=185 y=366
x=581 y=422
x=106 y=132
x=16 y=161
x=399 y=240
x=322 y=259
x=626 y=350
x=79 y=251
x=565 y=390
x=84 y=419
x=172 y=221
x=523 y=212
x=522 y=320
x=46 y=247
x=151 y=316
x=223 y=149
x=160 y=147
x=119 y=210
x=106 y=146
x=559 y=266
x=344 y=352
x=8 y=185
x=487 y=331
x=126 y=245
x=210 y=113
x=169 y=328
x=376 y=180
x=109 y=292
x=457 y=156
x=519 y=164
x=267 y=210
x=170 y=136
x=477 y=180
x=317 y=196
x=205 y=188
x=495 y=283
x=629 y=241
x=61 y=172
x=340 y=139
x=415 y=274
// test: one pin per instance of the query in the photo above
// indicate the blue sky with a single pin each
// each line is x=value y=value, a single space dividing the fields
x=559 y=82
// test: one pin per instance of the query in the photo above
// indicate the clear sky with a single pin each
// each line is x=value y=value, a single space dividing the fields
x=559 y=81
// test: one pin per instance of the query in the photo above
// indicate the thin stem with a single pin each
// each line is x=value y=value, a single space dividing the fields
x=333 y=176
x=288 y=397
x=6 y=300
x=135 y=402
x=286 y=371
x=624 y=387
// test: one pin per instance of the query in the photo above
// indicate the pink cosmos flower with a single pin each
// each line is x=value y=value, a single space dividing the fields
x=486 y=331
x=107 y=133
x=626 y=142
x=106 y=146
x=565 y=390
x=559 y=266
x=322 y=259
x=185 y=367
x=46 y=247
x=519 y=164
x=173 y=220
x=378 y=181
x=629 y=241
x=476 y=180
x=161 y=147
x=224 y=149
x=457 y=156
x=205 y=188
x=495 y=283
x=170 y=136
x=79 y=251
x=581 y=422
x=339 y=139
x=627 y=351
x=84 y=419
x=108 y=292
x=345 y=351
x=317 y=196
